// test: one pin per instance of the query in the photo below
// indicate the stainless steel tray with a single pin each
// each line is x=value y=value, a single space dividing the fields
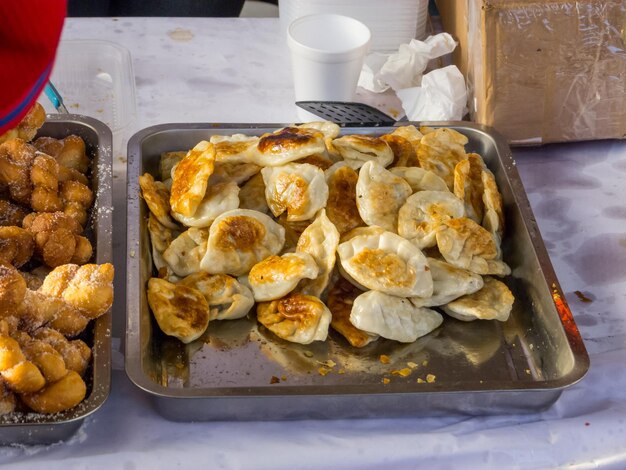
x=238 y=371
x=33 y=428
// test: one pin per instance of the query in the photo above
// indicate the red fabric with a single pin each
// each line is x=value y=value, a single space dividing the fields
x=29 y=36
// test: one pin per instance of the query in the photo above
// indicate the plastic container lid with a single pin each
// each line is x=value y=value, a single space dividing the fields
x=95 y=78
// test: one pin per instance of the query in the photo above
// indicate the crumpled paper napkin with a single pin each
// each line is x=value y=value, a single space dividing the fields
x=438 y=95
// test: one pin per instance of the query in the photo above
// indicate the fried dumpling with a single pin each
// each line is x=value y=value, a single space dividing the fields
x=363 y=148
x=367 y=230
x=420 y=179
x=410 y=133
x=340 y=301
x=465 y=244
x=387 y=263
x=341 y=206
x=186 y=251
x=328 y=128
x=239 y=239
x=380 y=194
x=422 y=214
x=449 y=283
x=218 y=198
x=403 y=151
x=190 y=178
x=440 y=151
x=317 y=160
x=157 y=197
x=276 y=276
x=237 y=173
x=252 y=195
x=297 y=318
x=468 y=185
x=236 y=148
x=168 y=161
x=320 y=239
x=299 y=189
x=160 y=238
x=227 y=298
x=493 y=302
x=493 y=219
x=392 y=317
x=180 y=311
x=288 y=144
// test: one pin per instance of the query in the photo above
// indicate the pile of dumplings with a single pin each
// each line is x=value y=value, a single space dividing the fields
x=364 y=234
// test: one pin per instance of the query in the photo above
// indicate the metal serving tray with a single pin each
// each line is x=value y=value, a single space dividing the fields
x=240 y=371
x=33 y=428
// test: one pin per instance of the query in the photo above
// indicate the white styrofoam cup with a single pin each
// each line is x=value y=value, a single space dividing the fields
x=327 y=53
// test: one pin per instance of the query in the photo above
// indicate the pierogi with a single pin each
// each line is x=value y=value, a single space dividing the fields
x=493 y=302
x=239 y=239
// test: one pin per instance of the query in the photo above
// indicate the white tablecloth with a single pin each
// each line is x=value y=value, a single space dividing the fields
x=234 y=70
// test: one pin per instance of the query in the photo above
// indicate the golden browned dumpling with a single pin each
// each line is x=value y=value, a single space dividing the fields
x=387 y=263
x=236 y=148
x=239 y=239
x=403 y=151
x=186 y=251
x=180 y=311
x=410 y=133
x=252 y=195
x=299 y=189
x=493 y=219
x=320 y=240
x=190 y=178
x=465 y=244
x=493 y=302
x=287 y=145
x=160 y=238
x=468 y=185
x=276 y=276
x=340 y=301
x=380 y=194
x=218 y=198
x=238 y=173
x=363 y=148
x=297 y=318
x=440 y=151
x=168 y=161
x=420 y=179
x=157 y=198
x=422 y=214
x=228 y=299
x=341 y=206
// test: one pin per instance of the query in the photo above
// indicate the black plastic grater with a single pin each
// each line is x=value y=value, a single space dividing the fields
x=347 y=113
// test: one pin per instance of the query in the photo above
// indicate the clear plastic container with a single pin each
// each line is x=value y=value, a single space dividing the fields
x=391 y=22
x=95 y=78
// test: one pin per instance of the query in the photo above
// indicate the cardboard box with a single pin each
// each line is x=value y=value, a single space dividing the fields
x=543 y=71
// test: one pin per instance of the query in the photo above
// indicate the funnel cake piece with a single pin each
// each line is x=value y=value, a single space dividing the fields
x=11 y=214
x=16 y=160
x=75 y=353
x=28 y=126
x=20 y=375
x=57 y=238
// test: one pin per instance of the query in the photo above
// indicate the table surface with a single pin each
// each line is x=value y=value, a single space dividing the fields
x=237 y=70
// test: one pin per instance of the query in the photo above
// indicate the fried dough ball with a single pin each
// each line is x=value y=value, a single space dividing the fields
x=28 y=126
x=16 y=160
x=47 y=359
x=44 y=176
x=76 y=354
x=69 y=152
x=88 y=288
x=11 y=214
x=77 y=199
x=16 y=246
x=39 y=309
x=58 y=396
x=57 y=239
x=7 y=400
x=12 y=290
x=21 y=375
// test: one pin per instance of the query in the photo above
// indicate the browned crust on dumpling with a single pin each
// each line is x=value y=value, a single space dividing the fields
x=287 y=139
x=239 y=233
x=341 y=206
x=403 y=151
x=316 y=160
x=340 y=300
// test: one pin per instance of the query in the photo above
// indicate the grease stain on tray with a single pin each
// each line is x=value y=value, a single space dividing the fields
x=180 y=35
